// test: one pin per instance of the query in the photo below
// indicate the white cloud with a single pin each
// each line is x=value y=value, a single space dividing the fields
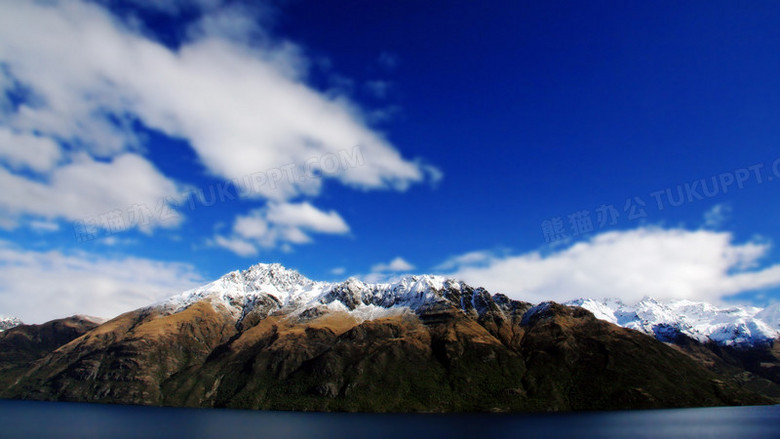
x=306 y=216
x=40 y=286
x=236 y=245
x=717 y=216
x=44 y=226
x=397 y=264
x=244 y=109
x=240 y=22
x=466 y=259
x=338 y=271
x=86 y=187
x=111 y=241
x=26 y=151
x=174 y=7
x=280 y=223
x=648 y=261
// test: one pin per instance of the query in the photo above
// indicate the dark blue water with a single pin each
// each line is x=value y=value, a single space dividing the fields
x=28 y=419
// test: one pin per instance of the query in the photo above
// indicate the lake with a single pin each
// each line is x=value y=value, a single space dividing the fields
x=31 y=419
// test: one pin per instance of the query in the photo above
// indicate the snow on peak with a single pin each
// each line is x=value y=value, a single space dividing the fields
x=771 y=316
x=276 y=276
x=273 y=287
x=240 y=291
x=412 y=292
x=536 y=310
x=729 y=326
x=9 y=322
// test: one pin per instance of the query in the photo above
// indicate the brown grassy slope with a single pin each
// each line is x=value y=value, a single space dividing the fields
x=443 y=360
x=22 y=345
x=126 y=359
x=563 y=359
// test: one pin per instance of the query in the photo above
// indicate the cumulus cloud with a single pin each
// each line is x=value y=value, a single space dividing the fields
x=40 y=286
x=89 y=78
x=396 y=265
x=280 y=223
x=649 y=261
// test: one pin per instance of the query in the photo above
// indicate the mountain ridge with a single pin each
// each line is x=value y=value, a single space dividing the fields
x=731 y=326
x=240 y=291
x=270 y=338
x=727 y=326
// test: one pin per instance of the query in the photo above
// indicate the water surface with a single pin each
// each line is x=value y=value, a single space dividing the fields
x=32 y=419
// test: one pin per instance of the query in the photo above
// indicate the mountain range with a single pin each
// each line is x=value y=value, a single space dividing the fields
x=744 y=326
x=270 y=338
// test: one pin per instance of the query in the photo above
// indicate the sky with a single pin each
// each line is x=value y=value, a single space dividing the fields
x=545 y=150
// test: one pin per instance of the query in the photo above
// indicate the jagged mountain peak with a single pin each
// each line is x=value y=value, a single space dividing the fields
x=730 y=325
x=271 y=287
x=272 y=274
x=421 y=282
x=240 y=291
x=412 y=291
x=409 y=282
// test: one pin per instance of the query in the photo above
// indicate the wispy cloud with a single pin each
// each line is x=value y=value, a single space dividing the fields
x=378 y=88
x=239 y=246
x=44 y=226
x=471 y=259
x=388 y=60
x=717 y=216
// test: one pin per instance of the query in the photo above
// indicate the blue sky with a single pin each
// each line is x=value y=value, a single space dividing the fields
x=535 y=148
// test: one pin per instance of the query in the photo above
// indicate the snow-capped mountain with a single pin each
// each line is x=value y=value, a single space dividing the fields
x=274 y=287
x=728 y=326
x=269 y=338
x=8 y=323
x=267 y=288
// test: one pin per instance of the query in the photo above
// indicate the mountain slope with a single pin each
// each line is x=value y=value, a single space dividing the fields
x=21 y=345
x=269 y=338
